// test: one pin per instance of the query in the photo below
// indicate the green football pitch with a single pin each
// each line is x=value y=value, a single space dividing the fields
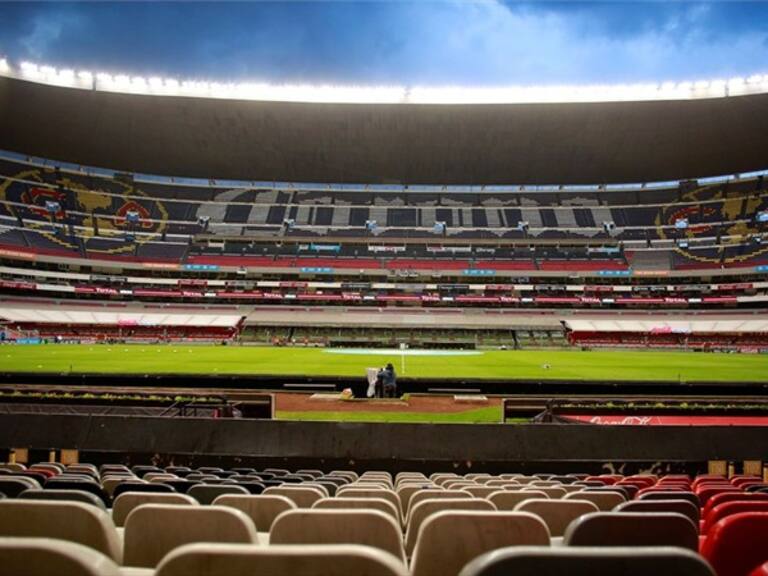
x=502 y=365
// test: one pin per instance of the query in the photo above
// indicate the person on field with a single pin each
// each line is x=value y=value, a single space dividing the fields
x=389 y=380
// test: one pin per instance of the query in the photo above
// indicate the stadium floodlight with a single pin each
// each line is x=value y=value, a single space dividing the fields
x=701 y=88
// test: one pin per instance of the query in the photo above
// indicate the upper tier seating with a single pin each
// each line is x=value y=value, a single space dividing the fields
x=92 y=220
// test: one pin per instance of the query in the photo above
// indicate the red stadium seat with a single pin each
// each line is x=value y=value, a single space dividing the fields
x=760 y=570
x=736 y=545
x=729 y=509
x=705 y=494
x=718 y=499
x=739 y=481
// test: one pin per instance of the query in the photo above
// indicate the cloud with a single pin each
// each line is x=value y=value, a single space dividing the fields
x=483 y=42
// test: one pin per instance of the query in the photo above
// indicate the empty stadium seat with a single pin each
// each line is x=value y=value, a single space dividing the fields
x=540 y=561
x=726 y=509
x=71 y=495
x=302 y=496
x=366 y=527
x=736 y=545
x=72 y=521
x=262 y=509
x=92 y=487
x=153 y=530
x=424 y=509
x=12 y=486
x=128 y=501
x=351 y=491
x=206 y=494
x=43 y=556
x=141 y=487
x=669 y=495
x=344 y=503
x=305 y=560
x=448 y=540
x=683 y=507
x=557 y=514
x=434 y=494
x=632 y=529
x=603 y=500
x=508 y=499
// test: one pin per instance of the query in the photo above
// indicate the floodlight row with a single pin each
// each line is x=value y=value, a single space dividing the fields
x=122 y=83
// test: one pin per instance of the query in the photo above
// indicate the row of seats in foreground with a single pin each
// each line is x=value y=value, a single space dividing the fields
x=448 y=520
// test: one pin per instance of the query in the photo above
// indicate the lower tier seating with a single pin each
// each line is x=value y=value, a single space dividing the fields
x=109 y=520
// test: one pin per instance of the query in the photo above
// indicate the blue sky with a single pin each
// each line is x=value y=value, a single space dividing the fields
x=419 y=42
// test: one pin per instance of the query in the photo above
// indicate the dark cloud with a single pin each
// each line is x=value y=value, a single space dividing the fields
x=418 y=42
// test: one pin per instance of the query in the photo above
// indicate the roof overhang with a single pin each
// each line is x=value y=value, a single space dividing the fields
x=563 y=143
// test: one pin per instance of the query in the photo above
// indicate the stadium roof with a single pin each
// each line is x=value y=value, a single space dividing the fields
x=689 y=135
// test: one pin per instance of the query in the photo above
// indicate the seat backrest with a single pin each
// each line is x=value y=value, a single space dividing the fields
x=448 y=540
x=141 y=487
x=499 y=483
x=205 y=494
x=553 y=492
x=683 y=507
x=422 y=510
x=604 y=501
x=240 y=560
x=71 y=495
x=12 y=486
x=36 y=556
x=66 y=520
x=718 y=499
x=557 y=514
x=109 y=483
x=481 y=491
x=127 y=501
x=736 y=544
x=344 y=503
x=560 y=560
x=388 y=495
x=672 y=495
x=632 y=529
x=303 y=497
x=153 y=530
x=508 y=499
x=261 y=508
x=433 y=494
x=406 y=490
x=366 y=527
x=734 y=507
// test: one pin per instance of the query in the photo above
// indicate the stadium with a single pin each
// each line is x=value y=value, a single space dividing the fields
x=306 y=330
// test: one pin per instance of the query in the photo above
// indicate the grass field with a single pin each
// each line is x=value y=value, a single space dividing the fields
x=506 y=365
x=489 y=415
